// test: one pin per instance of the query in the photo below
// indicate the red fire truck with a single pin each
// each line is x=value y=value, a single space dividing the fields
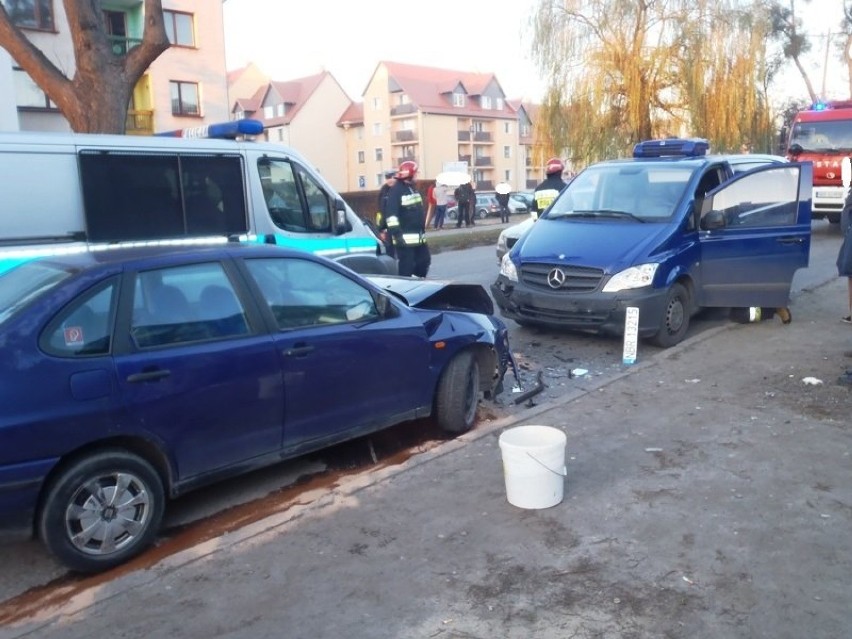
x=822 y=134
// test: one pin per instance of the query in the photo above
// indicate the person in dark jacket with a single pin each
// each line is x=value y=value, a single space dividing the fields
x=503 y=201
x=546 y=192
x=405 y=220
x=464 y=201
x=390 y=180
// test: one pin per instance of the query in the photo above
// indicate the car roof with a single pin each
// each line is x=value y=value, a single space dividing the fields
x=170 y=252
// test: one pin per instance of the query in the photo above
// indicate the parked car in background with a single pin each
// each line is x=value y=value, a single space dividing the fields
x=134 y=375
x=487 y=206
x=510 y=235
x=524 y=198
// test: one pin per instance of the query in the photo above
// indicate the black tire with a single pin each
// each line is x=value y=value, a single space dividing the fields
x=458 y=394
x=118 y=531
x=452 y=214
x=482 y=214
x=675 y=320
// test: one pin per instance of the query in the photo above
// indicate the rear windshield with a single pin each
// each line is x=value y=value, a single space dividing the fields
x=627 y=191
x=21 y=284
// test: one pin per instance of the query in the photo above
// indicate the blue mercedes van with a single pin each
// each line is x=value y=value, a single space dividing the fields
x=669 y=231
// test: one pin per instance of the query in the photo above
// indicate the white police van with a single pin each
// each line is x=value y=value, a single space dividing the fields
x=67 y=192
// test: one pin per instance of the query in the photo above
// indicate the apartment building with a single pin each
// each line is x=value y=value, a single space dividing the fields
x=301 y=113
x=438 y=118
x=186 y=86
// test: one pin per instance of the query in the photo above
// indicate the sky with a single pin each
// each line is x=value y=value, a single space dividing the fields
x=290 y=39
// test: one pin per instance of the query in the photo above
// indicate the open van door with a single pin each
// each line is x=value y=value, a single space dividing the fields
x=755 y=233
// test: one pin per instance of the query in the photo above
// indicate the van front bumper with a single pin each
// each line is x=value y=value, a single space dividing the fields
x=595 y=312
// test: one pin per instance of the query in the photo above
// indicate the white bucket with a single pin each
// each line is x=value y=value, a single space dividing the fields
x=534 y=465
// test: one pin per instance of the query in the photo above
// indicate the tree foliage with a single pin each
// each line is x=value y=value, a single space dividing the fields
x=620 y=71
x=95 y=98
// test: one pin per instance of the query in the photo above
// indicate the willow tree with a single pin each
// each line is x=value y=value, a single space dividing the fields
x=95 y=98
x=625 y=70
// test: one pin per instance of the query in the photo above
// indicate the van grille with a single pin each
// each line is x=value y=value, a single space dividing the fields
x=578 y=279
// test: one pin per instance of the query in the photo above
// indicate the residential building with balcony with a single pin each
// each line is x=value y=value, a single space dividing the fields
x=185 y=86
x=302 y=114
x=436 y=117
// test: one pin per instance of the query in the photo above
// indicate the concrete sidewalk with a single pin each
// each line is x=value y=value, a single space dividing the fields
x=709 y=494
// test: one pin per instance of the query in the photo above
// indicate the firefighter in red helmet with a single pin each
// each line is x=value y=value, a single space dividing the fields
x=405 y=218
x=552 y=185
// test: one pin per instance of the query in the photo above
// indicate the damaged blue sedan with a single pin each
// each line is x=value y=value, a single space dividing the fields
x=134 y=375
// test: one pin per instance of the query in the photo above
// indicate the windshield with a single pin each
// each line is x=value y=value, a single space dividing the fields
x=825 y=137
x=24 y=283
x=632 y=192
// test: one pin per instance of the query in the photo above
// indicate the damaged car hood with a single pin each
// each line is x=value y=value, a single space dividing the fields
x=437 y=295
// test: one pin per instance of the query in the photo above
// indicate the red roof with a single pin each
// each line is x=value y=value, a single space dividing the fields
x=430 y=89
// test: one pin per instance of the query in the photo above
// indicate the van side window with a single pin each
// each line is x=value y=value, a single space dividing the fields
x=137 y=196
x=295 y=200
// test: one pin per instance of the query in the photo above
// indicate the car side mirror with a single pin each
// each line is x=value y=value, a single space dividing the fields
x=713 y=220
x=340 y=224
x=384 y=306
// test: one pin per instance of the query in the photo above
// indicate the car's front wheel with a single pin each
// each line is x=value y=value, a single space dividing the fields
x=101 y=510
x=458 y=394
x=675 y=318
x=482 y=214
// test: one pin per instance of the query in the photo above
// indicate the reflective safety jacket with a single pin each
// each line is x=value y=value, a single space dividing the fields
x=405 y=217
x=545 y=193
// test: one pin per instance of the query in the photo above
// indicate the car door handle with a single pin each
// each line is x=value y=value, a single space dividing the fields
x=299 y=350
x=790 y=240
x=149 y=376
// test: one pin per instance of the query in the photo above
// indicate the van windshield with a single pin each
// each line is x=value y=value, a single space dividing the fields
x=629 y=192
x=26 y=282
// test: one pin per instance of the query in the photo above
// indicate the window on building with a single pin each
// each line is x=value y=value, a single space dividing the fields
x=377 y=128
x=458 y=99
x=360 y=133
x=361 y=157
x=379 y=154
x=498 y=104
x=31 y=14
x=281 y=134
x=377 y=104
x=380 y=179
x=239 y=114
x=184 y=98
x=485 y=101
x=280 y=110
x=403 y=99
x=179 y=28
x=507 y=127
x=507 y=176
x=28 y=93
x=268 y=112
x=525 y=130
x=408 y=124
x=507 y=151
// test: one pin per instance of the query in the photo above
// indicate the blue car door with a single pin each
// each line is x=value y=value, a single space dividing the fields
x=346 y=368
x=198 y=377
x=755 y=233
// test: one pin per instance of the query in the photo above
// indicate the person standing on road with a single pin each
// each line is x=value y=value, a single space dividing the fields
x=462 y=195
x=381 y=223
x=442 y=198
x=503 y=201
x=552 y=186
x=430 y=204
x=406 y=223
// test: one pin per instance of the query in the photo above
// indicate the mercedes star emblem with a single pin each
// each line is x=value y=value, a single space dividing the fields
x=556 y=278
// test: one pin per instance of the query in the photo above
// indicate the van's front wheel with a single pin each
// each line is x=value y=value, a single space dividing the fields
x=675 y=318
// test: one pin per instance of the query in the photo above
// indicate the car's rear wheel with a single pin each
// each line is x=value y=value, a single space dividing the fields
x=458 y=394
x=102 y=510
x=675 y=318
x=482 y=214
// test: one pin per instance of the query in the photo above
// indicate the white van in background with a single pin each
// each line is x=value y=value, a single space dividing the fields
x=67 y=191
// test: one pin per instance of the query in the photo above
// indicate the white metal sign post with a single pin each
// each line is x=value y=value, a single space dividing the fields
x=631 y=335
